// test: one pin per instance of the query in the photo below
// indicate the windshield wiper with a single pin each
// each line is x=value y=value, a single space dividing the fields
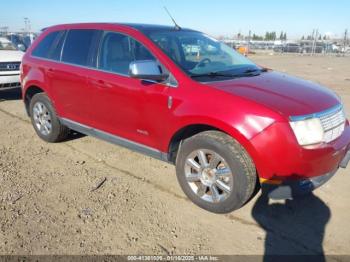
x=248 y=72
x=212 y=74
x=253 y=70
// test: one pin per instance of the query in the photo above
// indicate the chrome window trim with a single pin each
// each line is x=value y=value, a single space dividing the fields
x=120 y=141
x=64 y=43
x=104 y=71
x=66 y=31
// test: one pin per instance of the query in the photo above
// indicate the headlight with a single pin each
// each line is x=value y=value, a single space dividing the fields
x=308 y=131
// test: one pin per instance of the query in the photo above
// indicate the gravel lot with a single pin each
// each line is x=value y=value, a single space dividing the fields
x=48 y=204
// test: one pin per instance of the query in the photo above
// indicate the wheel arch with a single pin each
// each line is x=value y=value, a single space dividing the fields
x=192 y=129
x=28 y=95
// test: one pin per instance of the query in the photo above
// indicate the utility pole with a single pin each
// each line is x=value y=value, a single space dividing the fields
x=250 y=32
x=4 y=30
x=313 y=50
x=312 y=41
x=27 y=26
x=345 y=40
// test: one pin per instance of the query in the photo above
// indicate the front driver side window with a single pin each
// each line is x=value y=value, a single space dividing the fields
x=118 y=51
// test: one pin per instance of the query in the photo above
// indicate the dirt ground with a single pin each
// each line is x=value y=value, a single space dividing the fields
x=48 y=205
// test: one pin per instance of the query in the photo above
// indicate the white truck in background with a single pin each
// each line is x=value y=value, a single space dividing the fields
x=10 y=61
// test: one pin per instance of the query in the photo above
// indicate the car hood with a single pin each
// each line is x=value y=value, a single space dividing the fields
x=288 y=95
x=11 y=56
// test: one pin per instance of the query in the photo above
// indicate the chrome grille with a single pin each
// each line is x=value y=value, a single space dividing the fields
x=10 y=66
x=10 y=85
x=333 y=123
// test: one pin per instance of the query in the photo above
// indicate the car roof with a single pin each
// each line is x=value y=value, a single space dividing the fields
x=144 y=28
x=153 y=28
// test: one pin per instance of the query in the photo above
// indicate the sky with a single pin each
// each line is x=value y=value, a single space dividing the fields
x=217 y=18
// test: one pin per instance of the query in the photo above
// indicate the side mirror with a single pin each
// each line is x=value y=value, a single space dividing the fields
x=146 y=70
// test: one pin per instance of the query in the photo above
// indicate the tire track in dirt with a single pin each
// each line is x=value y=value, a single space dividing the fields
x=294 y=241
x=127 y=173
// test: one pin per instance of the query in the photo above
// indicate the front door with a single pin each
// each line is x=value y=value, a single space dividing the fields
x=122 y=105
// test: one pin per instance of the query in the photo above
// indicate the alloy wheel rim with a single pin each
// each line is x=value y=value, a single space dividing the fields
x=42 y=118
x=208 y=175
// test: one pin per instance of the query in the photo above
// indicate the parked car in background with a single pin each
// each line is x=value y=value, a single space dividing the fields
x=10 y=61
x=191 y=49
x=227 y=124
x=288 y=48
x=17 y=42
x=261 y=45
x=21 y=40
x=318 y=49
x=345 y=49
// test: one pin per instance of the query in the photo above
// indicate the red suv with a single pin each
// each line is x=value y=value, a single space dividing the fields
x=183 y=97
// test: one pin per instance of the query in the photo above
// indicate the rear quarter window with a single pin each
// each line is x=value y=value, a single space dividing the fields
x=56 y=50
x=78 y=46
x=44 y=47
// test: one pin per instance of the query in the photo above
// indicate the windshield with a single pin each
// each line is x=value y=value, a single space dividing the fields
x=199 y=55
x=6 y=45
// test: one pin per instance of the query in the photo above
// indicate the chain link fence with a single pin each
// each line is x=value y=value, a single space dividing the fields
x=302 y=47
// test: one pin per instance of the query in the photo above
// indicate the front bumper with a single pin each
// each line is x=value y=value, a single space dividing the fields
x=289 y=189
x=344 y=163
x=278 y=155
x=9 y=81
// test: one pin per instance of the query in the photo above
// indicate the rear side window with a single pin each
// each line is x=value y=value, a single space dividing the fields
x=43 y=48
x=77 y=46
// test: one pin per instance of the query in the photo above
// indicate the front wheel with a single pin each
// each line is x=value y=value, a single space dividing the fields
x=215 y=172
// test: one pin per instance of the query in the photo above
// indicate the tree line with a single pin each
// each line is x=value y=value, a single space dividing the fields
x=309 y=37
x=270 y=36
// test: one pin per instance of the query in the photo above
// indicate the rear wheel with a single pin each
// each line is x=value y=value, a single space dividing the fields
x=45 y=120
x=215 y=172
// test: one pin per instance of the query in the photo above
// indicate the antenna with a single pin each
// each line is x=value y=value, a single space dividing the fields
x=177 y=27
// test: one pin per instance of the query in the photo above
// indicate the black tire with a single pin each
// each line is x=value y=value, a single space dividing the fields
x=58 y=131
x=236 y=157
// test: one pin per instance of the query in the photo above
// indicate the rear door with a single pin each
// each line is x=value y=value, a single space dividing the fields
x=68 y=79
